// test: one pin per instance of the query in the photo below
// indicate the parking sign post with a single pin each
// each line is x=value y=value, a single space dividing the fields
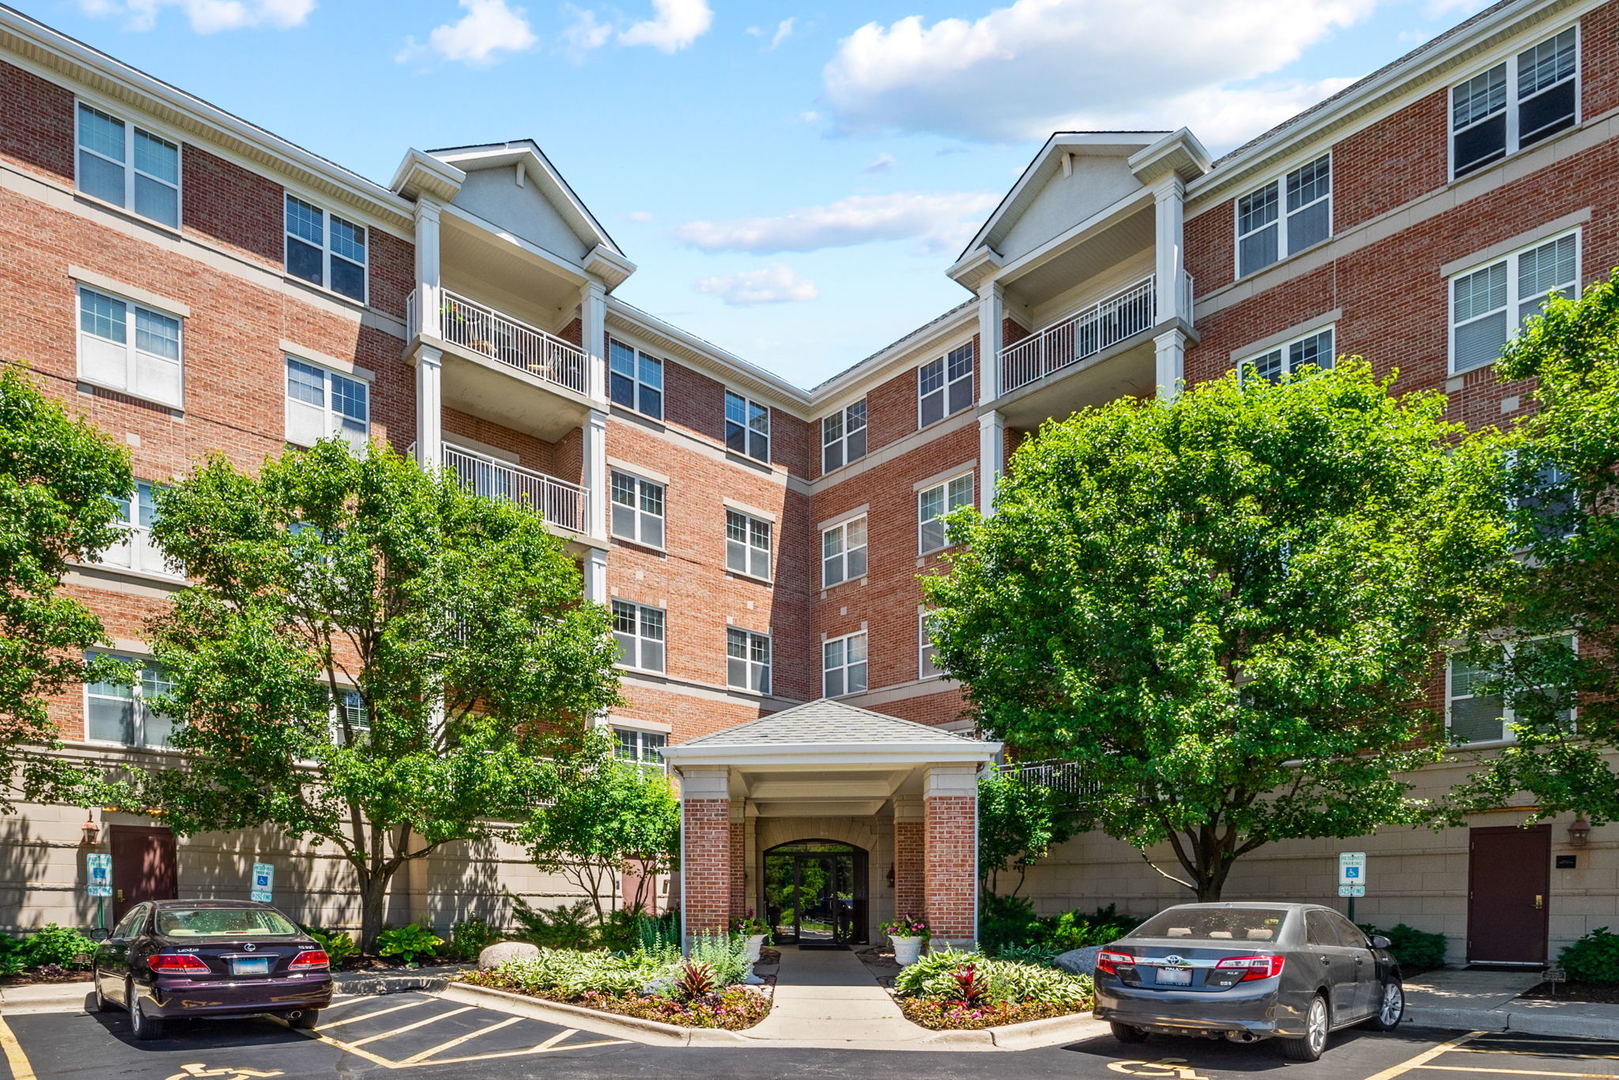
x=98 y=882
x=263 y=882
x=1351 y=877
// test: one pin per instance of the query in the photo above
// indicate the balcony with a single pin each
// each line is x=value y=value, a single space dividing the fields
x=1085 y=333
x=506 y=340
x=562 y=505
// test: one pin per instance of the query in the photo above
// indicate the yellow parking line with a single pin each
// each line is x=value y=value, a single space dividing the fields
x=458 y=1040
x=15 y=1058
x=1426 y=1056
x=1571 y=1053
x=435 y=1018
x=1517 y=1072
x=369 y=1015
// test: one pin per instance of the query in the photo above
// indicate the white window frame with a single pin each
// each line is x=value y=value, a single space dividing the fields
x=128 y=164
x=1290 y=363
x=322 y=420
x=327 y=252
x=755 y=672
x=926 y=667
x=1508 y=716
x=1512 y=143
x=137 y=551
x=639 y=387
x=945 y=488
x=645 y=752
x=1284 y=216
x=642 y=517
x=751 y=411
x=947 y=384
x=348 y=700
x=641 y=638
x=844 y=441
x=846 y=666
x=140 y=713
x=746 y=556
x=845 y=551
x=1513 y=300
x=134 y=358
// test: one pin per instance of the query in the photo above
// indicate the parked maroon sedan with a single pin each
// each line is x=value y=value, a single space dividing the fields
x=173 y=959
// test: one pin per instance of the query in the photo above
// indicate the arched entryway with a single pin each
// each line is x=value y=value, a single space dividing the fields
x=815 y=893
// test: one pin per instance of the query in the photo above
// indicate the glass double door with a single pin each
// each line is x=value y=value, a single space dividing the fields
x=815 y=893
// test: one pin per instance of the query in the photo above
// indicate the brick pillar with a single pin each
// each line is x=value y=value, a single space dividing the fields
x=739 y=862
x=950 y=852
x=910 y=896
x=705 y=851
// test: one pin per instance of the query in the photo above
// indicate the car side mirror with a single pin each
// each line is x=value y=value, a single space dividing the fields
x=100 y=933
x=1381 y=942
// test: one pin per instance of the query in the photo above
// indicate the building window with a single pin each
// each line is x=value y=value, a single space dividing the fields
x=747 y=660
x=1477 y=712
x=129 y=167
x=637 y=509
x=843 y=552
x=117 y=712
x=843 y=437
x=1314 y=348
x=747 y=545
x=350 y=709
x=1488 y=304
x=927 y=666
x=1515 y=104
x=639 y=633
x=747 y=427
x=124 y=346
x=322 y=403
x=641 y=747
x=325 y=249
x=635 y=380
x=1284 y=216
x=843 y=665
x=944 y=386
x=137 y=551
x=933 y=503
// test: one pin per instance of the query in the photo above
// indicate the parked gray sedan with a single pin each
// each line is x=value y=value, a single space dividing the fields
x=1294 y=972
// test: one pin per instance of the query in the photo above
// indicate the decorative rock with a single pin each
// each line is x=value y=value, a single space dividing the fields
x=1079 y=961
x=501 y=951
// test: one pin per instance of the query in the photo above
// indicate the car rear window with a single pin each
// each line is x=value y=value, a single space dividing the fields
x=215 y=922
x=1219 y=924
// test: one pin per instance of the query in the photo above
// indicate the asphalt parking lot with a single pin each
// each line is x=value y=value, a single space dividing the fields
x=422 y=1035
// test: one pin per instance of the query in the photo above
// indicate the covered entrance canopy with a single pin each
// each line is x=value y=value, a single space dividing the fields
x=897 y=801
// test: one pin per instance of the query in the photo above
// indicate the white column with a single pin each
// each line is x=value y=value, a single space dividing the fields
x=593 y=333
x=429 y=306
x=1169 y=199
x=429 y=406
x=991 y=319
x=596 y=576
x=1171 y=364
x=991 y=458
x=595 y=478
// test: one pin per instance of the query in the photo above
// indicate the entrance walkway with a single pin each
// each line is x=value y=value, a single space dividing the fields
x=1489 y=1001
x=827 y=998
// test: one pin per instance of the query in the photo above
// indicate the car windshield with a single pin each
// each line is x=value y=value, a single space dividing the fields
x=223 y=922
x=1217 y=923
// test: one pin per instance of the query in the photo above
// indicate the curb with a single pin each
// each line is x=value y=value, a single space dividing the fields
x=633 y=1028
x=1524 y=1021
x=44 y=997
x=428 y=980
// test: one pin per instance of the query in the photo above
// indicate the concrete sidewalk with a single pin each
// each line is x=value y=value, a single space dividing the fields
x=827 y=998
x=1488 y=1001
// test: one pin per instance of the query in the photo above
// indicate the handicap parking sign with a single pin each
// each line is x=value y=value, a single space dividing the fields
x=98 y=874
x=263 y=882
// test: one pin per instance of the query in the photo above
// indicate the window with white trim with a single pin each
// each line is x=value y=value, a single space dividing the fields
x=350 y=708
x=637 y=509
x=641 y=747
x=117 y=712
x=1476 y=711
x=325 y=249
x=747 y=427
x=747 y=544
x=137 y=550
x=638 y=629
x=927 y=664
x=321 y=403
x=1284 y=216
x=1314 y=348
x=126 y=346
x=843 y=436
x=843 y=552
x=747 y=660
x=944 y=386
x=128 y=166
x=1549 y=502
x=1489 y=303
x=843 y=665
x=1515 y=104
x=933 y=504
x=635 y=379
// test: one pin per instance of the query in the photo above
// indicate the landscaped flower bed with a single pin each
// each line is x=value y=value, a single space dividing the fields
x=953 y=990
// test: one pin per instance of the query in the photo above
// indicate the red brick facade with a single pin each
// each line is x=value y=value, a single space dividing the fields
x=910 y=886
x=950 y=858
x=706 y=866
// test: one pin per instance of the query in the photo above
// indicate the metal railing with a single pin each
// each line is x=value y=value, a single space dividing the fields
x=1065 y=776
x=512 y=342
x=560 y=503
x=1085 y=333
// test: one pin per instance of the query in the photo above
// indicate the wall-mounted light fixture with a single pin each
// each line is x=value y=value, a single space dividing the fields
x=1579 y=831
x=91 y=833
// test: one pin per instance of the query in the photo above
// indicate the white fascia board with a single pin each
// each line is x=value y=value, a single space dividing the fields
x=825 y=754
x=715 y=356
x=839 y=390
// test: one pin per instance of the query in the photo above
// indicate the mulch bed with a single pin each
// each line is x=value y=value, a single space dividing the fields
x=1580 y=993
x=50 y=973
x=734 y=1009
x=954 y=1016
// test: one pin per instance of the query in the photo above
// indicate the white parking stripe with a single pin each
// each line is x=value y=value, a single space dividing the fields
x=435 y=1018
x=369 y=1015
x=430 y=1051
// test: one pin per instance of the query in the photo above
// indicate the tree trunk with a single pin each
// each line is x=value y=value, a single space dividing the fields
x=373 y=901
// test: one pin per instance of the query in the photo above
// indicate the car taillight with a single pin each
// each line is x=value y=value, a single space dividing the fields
x=309 y=960
x=176 y=964
x=1254 y=967
x=1108 y=962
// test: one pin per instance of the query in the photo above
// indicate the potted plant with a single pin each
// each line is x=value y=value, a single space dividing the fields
x=908 y=934
x=754 y=930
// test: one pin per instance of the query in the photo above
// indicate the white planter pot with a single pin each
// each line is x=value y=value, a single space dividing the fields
x=906 y=949
x=755 y=943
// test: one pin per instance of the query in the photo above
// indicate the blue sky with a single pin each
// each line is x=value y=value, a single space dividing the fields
x=791 y=178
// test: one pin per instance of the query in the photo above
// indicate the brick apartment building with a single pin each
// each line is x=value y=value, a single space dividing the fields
x=193 y=283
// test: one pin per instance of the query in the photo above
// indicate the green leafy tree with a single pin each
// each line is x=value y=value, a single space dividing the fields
x=367 y=657
x=611 y=816
x=58 y=478
x=1018 y=821
x=1559 y=469
x=1226 y=608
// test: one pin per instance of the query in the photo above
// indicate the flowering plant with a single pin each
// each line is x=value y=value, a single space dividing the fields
x=908 y=925
x=748 y=925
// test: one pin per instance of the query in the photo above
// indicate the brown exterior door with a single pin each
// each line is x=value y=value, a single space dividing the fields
x=1508 y=876
x=143 y=867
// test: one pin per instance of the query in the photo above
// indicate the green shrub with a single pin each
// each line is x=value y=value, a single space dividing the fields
x=565 y=927
x=726 y=956
x=339 y=946
x=469 y=937
x=619 y=932
x=1416 y=950
x=571 y=973
x=13 y=956
x=1009 y=922
x=407 y=942
x=658 y=934
x=1040 y=955
x=930 y=969
x=58 y=945
x=937 y=976
x=1593 y=959
x=1076 y=929
x=1005 y=922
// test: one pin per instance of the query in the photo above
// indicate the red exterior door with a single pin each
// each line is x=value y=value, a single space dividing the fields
x=1508 y=876
x=143 y=867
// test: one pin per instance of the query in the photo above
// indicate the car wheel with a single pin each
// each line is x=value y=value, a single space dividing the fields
x=1314 y=1042
x=1390 y=1008
x=102 y=1004
x=1128 y=1033
x=143 y=1027
x=305 y=1020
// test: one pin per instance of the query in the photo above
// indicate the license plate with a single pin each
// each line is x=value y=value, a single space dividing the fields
x=250 y=965
x=1168 y=976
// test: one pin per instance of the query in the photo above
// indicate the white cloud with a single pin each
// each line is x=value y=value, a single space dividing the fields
x=674 y=25
x=584 y=31
x=784 y=30
x=935 y=220
x=1023 y=71
x=639 y=215
x=206 y=16
x=810 y=116
x=880 y=164
x=773 y=284
x=488 y=28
